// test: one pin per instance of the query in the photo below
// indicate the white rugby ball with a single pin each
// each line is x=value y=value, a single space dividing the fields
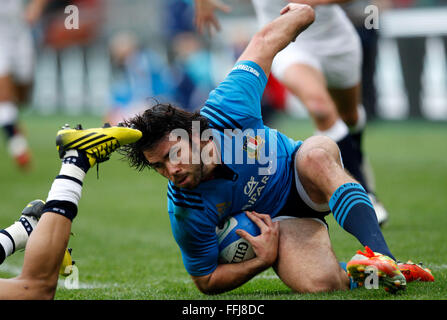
x=232 y=248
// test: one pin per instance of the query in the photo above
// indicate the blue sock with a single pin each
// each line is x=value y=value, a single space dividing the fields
x=354 y=212
x=352 y=283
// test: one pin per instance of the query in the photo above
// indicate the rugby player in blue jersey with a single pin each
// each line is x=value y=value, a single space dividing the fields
x=228 y=162
x=293 y=184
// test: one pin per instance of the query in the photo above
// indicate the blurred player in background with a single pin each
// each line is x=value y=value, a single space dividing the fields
x=16 y=70
x=323 y=69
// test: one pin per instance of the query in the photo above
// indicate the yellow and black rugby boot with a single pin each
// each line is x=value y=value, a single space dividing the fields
x=67 y=263
x=97 y=143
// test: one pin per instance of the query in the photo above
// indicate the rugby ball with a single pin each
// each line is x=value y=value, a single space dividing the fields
x=232 y=248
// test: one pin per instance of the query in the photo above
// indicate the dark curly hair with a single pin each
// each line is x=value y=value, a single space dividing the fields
x=155 y=123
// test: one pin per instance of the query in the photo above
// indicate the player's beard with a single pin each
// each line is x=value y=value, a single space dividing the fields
x=193 y=177
x=197 y=173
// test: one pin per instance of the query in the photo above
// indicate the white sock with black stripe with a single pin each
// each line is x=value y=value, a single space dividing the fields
x=16 y=236
x=68 y=184
x=7 y=245
x=66 y=189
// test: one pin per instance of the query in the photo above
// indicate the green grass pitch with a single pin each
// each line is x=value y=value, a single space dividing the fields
x=124 y=248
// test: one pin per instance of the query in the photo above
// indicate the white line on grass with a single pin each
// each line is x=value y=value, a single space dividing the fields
x=15 y=271
x=436 y=267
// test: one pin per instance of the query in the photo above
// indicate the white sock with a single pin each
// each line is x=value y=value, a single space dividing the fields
x=8 y=113
x=17 y=145
x=68 y=184
x=66 y=189
x=337 y=132
x=16 y=236
x=7 y=243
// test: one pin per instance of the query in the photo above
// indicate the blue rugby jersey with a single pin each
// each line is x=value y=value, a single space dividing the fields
x=257 y=159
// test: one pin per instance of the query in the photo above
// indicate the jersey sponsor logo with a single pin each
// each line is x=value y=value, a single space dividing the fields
x=253 y=189
x=250 y=186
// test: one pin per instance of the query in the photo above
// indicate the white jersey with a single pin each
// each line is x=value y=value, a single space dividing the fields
x=16 y=46
x=330 y=32
x=330 y=44
x=11 y=14
x=11 y=7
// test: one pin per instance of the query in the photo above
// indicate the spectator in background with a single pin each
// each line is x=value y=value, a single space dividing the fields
x=189 y=56
x=179 y=17
x=192 y=70
x=137 y=75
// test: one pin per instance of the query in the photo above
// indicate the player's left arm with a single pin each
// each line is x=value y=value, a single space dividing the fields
x=232 y=275
x=229 y=276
